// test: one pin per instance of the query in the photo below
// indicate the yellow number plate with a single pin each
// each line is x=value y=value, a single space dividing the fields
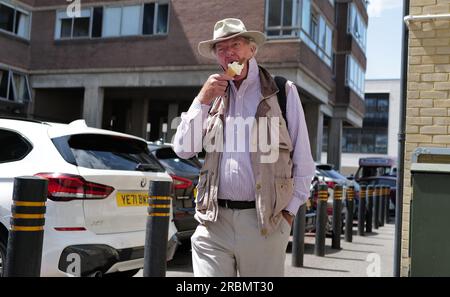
x=127 y=199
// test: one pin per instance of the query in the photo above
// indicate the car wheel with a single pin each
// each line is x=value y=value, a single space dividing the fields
x=122 y=274
x=2 y=256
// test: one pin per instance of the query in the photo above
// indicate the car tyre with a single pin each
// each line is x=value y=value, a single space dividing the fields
x=3 y=245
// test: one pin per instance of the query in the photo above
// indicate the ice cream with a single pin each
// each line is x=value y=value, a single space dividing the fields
x=234 y=69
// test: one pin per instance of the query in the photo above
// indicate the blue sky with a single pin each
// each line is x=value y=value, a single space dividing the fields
x=384 y=39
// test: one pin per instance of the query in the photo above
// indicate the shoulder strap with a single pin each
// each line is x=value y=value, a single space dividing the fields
x=281 y=95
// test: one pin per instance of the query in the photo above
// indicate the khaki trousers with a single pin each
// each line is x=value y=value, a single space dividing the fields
x=233 y=245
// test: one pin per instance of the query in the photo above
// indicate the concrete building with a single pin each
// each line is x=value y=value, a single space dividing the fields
x=131 y=64
x=428 y=95
x=378 y=136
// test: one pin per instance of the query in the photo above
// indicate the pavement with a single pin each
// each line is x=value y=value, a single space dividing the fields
x=370 y=255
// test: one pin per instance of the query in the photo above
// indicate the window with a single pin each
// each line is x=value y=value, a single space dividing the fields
x=6 y=18
x=14 y=86
x=115 y=21
x=355 y=76
x=163 y=18
x=357 y=27
x=298 y=18
x=171 y=161
x=14 y=147
x=106 y=152
x=14 y=20
x=73 y=27
x=372 y=138
x=282 y=18
x=21 y=87
x=111 y=21
x=316 y=33
x=4 y=79
x=130 y=20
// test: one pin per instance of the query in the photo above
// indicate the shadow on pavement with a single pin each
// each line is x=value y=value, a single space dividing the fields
x=323 y=269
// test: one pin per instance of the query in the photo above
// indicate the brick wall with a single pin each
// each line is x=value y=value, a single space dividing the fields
x=428 y=103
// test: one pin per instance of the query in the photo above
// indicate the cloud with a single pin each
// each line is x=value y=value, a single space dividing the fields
x=376 y=7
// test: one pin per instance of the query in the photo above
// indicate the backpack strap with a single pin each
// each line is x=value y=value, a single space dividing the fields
x=281 y=95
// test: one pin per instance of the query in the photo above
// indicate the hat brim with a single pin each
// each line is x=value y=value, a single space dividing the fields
x=205 y=48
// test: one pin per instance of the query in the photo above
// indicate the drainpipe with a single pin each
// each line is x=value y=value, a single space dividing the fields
x=401 y=147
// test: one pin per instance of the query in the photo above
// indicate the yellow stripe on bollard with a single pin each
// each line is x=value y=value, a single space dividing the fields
x=27 y=203
x=157 y=214
x=27 y=229
x=160 y=205
x=27 y=216
x=160 y=197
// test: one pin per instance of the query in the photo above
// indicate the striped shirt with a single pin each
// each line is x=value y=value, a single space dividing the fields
x=236 y=174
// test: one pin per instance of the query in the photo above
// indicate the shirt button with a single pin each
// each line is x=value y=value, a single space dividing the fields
x=258 y=186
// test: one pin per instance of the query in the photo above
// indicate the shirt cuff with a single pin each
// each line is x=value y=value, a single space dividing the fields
x=294 y=205
x=195 y=108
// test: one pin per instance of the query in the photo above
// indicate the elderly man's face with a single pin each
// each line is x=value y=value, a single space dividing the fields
x=235 y=49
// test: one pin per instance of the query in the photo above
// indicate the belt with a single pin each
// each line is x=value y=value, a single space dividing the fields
x=236 y=204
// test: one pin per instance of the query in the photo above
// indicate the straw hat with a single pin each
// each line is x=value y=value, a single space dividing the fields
x=227 y=29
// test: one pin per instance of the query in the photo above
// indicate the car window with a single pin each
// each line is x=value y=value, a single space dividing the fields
x=169 y=159
x=14 y=147
x=388 y=182
x=107 y=152
x=334 y=174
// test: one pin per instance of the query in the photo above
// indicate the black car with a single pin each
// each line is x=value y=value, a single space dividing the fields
x=184 y=173
x=384 y=180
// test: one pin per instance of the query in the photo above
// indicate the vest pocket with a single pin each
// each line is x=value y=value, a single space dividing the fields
x=284 y=189
x=202 y=188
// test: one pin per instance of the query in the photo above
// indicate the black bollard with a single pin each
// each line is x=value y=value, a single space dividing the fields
x=387 y=203
x=376 y=207
x=349 y=215
x=24 y=251
x=298 y=239
x=369 y=212
x=321 y=220
x=382 y=204
x=362 y=210
x=155 y=252
x=337 y=218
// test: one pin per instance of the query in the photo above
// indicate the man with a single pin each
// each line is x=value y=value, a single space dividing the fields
x=246 y=201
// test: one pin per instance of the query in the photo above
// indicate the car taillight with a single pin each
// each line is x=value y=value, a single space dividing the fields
x=67 y=187
x=180 y=183
x=331 y=184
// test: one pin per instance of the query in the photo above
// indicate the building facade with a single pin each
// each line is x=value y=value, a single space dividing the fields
x=132 y=65
x=378 y=136
x=428 y=94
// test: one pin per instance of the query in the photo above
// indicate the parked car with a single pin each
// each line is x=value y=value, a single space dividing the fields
x=326 y=173
x=97 y=193
x=386 y=180
x=375 y=166
x=185 y=175
x=379 y=171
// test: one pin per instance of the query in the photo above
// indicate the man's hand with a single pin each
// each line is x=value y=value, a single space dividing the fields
x=214 y=87
x=289 y=218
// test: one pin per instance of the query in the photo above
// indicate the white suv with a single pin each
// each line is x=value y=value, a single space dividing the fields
x=97 y=194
